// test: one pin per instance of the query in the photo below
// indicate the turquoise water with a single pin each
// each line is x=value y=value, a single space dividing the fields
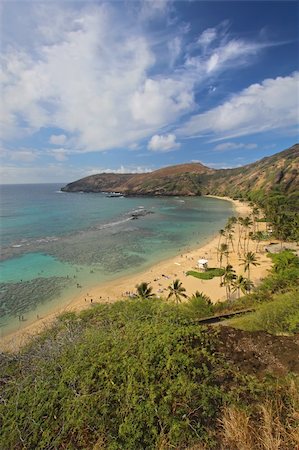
x=54 y=243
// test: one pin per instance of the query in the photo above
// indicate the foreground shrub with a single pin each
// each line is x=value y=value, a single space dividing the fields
x=131 y=375
x=198 y=306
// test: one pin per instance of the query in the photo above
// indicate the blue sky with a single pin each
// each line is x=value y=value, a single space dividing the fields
x=132 y=86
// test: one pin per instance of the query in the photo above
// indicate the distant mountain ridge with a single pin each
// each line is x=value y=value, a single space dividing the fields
x=277 y=171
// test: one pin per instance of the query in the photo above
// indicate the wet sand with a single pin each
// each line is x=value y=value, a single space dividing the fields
x=160 y=276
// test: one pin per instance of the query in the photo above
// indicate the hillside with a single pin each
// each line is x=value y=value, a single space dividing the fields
x=139 y=374
x=276 y=171
x=98 y=183
x=182 y=179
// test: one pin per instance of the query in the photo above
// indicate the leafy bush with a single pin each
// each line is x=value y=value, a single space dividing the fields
x=199 y=305
x=284 y=260
x=284 y=276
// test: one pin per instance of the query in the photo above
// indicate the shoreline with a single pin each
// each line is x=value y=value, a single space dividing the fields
x=159 y=276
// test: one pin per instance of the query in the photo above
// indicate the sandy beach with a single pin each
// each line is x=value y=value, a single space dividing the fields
x=160 y=276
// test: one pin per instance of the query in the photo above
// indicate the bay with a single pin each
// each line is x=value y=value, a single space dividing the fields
x=54 y=243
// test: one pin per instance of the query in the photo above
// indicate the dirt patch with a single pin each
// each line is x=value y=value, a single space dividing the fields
x=259 y=352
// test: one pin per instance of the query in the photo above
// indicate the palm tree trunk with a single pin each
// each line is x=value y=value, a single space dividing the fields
x=232 y=242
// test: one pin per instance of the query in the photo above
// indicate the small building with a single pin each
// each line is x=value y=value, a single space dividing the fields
x=202 y=264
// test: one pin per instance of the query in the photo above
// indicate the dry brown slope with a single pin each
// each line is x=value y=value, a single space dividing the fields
x=182 y=179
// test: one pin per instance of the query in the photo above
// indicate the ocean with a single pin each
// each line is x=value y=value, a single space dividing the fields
x=54 y=243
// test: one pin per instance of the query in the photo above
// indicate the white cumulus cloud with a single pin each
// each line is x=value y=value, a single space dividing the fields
x=163 y=143
x=161 y=101
x=73 y=74
x=81 y=80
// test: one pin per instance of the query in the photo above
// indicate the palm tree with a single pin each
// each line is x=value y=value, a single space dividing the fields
x=250 y=236
x=232 y=220
x=255 y=215
x=144 y=290
x=242 y=284
x=204 y=297
x=230 y=239
x=229 y=228
x=221 y=234
x=240 y=224
x=228 y=279
x=200 y=304
x=258 y=237
x=294 y=227
x=223 y=251
x=249 y=260
x=248 y=285
x=177 y=291
x=247 y=222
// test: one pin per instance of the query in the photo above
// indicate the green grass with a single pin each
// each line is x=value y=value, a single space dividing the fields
x=280 y=315
x=207 y=275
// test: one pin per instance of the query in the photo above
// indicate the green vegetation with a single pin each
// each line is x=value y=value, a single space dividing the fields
x=248 y=261
x=283 y=277
x=242 y=284
x=281 y=212
x=198 y=306
x=143 y=290
x=284 y=261
x=208 y=274
x=276 y=299
x=280 y=316
x=228 y=279
x=177 y=291
x=129 y=375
